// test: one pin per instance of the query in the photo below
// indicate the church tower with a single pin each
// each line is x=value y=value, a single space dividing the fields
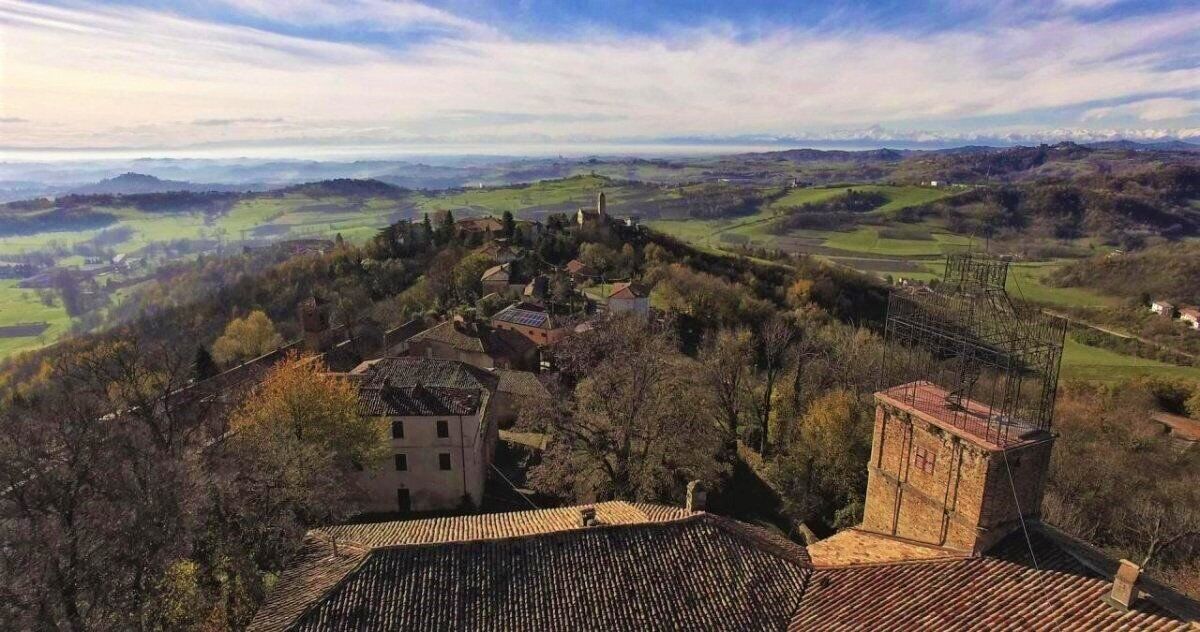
x=601 y=207
x=959 y=456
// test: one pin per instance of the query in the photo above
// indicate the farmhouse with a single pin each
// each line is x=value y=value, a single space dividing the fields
x=496 y=278
x=480 y=225
x=579 y=271
x=1163 y=308
x=500 y=250
x=629 y=297
x=1191 y=316
x=442 y=432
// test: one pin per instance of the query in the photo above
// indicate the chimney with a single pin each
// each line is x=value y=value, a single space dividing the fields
x=587 y=517
x=696 y=496
x=1124 y=588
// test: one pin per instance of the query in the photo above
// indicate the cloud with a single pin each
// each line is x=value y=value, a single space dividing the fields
x=378 y=15
x=124 y=77
x=1150 y=110
x=224 y=122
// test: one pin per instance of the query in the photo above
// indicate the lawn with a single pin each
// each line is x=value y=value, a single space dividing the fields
x=23 y=306
x=1083 y=362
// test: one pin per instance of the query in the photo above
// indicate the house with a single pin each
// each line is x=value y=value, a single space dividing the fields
x=599 y=215
x=475 y=343
x=1190 y=315
x=438 y=414
x=500 y=250
x=628 y=297
x=480 y=225
x=513 y=391
x=531 y=321
x=1163 y=308
x=495 y=278
x=537 y=288
x=579 y=271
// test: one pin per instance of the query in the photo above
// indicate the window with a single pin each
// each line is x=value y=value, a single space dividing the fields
x=443 y=429
x=444 y=461
x=923 y=460
x=401 y=462
x=397 y=429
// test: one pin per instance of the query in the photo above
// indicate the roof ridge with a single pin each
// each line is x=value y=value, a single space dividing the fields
x=760 y=538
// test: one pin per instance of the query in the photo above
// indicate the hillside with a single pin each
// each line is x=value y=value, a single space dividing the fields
x=138 y=183
x=1169 y=272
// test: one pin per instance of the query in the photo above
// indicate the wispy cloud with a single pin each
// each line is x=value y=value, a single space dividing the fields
x=96 y=75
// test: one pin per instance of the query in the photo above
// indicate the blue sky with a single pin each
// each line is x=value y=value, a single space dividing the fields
x=287 y=76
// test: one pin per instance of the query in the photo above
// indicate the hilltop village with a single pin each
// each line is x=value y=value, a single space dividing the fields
x=577 y=423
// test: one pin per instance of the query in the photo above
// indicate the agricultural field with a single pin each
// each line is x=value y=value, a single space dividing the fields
x=1084 y=362
x=21 y=305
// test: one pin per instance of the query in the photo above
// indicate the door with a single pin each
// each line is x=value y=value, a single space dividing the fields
x=403 y=501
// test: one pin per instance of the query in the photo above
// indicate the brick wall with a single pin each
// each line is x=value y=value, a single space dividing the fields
x=931 y=485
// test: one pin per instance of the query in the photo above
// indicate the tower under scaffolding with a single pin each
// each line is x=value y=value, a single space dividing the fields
x=967 y=355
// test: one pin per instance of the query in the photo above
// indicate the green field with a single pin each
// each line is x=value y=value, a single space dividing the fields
x=1083 y=362
x=24 y=306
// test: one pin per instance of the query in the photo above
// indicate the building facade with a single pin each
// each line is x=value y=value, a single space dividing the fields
x=439 y=417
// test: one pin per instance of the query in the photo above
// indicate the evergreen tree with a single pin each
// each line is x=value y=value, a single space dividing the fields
x=203 y=365
x=510 y=225
x=445 y=232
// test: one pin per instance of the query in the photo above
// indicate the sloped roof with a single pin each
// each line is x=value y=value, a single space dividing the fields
x=576 y=266
x=521 y=383
x=523 y=314
x=496 y=272
x=422 y=387
x=1002 y=590
x=627 y=290
x=643 y=567
x=477 y=338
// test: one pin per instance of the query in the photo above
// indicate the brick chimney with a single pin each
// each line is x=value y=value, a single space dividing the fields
x=697 y=498
x=1124 y=588
x=587 y=517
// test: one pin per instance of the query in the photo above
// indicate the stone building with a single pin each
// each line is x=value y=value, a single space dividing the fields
x=629 y=297
x=598 y=215
x=532 y=321
x=476 y=343
x=443 y=436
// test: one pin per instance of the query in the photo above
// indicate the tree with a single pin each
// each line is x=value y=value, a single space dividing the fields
x=625 y=425
x=1193 y=403
x=509 y=224
x=445 y=230
x=203 y=365
x=724 y=366
x=300 y=401
x=427 y=230
x=246 y=338
x=774 y=339
x=466 y=283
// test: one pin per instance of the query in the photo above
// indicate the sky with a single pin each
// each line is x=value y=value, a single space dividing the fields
x=365 y=77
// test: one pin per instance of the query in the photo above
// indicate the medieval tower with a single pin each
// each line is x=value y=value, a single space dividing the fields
x=962 y=446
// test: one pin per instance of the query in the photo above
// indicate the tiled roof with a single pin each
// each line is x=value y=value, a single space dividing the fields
x=627 y=290
x=576 y=266
x=521 y=383
x=495 y=273
x=422 y=387
x=1000 y=591
x=477 y=338
x=655 y=568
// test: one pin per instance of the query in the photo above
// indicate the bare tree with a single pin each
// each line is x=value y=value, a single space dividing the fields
x=724 y=370
x=775 y=338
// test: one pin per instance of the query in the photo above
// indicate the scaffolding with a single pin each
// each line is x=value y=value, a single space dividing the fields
x=968 y=356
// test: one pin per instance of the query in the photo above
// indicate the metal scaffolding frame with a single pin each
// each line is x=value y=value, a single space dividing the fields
x=976 y=360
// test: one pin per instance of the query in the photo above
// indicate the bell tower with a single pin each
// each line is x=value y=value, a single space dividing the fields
x=601 y=206
x=961 y=446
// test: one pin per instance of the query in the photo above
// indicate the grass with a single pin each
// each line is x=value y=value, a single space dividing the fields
x=23 y=305
x=1084 y=362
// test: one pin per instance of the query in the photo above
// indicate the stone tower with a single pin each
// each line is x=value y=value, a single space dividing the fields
x=314 y=325
x=601 y=207
x=935 y=480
